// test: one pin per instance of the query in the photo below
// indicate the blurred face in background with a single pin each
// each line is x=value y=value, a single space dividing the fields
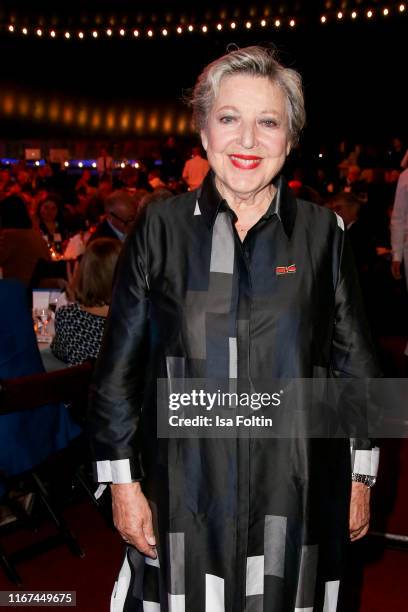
x=122 y=216
x=48 y=211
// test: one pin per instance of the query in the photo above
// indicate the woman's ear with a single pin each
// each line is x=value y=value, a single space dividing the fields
x=288 y=147
x=204 y=139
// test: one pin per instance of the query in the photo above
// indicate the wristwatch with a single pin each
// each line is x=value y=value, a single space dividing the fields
x=369 y=481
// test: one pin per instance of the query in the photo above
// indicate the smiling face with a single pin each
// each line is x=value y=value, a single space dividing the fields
x=246 y=136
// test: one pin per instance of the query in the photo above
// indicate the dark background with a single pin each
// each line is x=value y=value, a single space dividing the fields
x=354 y=71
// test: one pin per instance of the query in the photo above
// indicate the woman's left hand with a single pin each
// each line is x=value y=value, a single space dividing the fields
x=359 y=510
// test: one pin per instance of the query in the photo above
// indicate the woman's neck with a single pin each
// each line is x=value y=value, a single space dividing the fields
x=251 y=203
x=51 y=226
x=248 y=208
x=101 y=311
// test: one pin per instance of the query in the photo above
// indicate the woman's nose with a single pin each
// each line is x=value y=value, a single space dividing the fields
x=248 y=135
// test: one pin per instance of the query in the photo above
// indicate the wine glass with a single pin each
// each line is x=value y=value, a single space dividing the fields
x=42 y=318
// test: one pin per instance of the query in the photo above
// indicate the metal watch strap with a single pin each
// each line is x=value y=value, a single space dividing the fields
x=369 y=481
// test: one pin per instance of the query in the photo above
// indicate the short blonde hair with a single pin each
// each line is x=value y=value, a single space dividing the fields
x=258 y=62
x=96 y=269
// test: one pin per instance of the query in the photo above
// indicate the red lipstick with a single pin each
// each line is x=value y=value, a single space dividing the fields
x=245 y=162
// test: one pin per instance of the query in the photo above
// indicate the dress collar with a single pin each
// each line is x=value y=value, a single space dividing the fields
x=283 y=205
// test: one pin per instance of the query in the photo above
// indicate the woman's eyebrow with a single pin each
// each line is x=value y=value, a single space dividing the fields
x=227 y=107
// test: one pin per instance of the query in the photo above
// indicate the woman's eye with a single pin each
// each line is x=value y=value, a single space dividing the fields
x=269 y=122
x=227 y=119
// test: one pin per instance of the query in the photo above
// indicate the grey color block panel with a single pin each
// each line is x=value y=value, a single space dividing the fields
x=254 y=603
x=233 y=358
x=175 y=366
x=222 y=248
x=177 y=563
x=194 y=324
x=274 y=545
x=307 y=577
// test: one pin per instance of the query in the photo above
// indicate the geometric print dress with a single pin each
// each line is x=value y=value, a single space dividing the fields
x=243 y=524
x=78 y=334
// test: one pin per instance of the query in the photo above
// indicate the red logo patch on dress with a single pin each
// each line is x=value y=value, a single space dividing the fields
x=285 y=269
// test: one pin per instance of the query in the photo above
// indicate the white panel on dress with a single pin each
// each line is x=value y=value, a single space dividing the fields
x=120 y=590
x=197 y=210
x=255 y=575
x=340 y=221
x=153 y=562
x=151 y=606
x=366 y=461
x=214 y=594
x=121 y=471
x=331 y=593
x=177 y=603
x=104 y=472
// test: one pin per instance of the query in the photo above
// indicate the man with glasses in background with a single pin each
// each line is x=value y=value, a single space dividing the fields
x=120 y=216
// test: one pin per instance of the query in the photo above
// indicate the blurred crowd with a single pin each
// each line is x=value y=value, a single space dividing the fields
x=51 y=213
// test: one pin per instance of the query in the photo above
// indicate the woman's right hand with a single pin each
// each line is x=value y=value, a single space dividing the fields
x=133 y=518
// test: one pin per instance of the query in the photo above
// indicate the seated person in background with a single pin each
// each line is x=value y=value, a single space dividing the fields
x=27 y=437
x=50 y=222
x=79 y=326
x=20 y=245
x=120 y=216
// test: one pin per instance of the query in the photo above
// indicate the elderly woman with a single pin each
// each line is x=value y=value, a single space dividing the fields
x=236 y=281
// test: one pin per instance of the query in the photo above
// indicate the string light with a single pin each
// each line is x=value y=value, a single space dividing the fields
x=93 y=165
x=66 y=164
x=80 y=165
x=165 y=31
